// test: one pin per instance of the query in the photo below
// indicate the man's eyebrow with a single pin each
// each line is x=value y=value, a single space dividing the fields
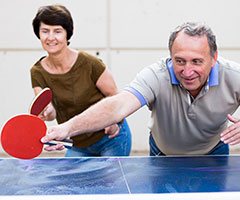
x=197 y=59
x=179 y=58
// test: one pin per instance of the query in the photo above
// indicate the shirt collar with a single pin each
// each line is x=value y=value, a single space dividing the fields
x=212 y=79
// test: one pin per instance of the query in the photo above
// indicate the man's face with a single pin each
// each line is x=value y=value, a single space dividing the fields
x=192 y=61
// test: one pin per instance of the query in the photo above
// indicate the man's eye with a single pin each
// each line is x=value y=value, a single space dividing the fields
x=180 y=62
x=197 y=62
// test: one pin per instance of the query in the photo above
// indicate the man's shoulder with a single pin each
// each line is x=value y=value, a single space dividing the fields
x=229 y=72
x=229 y=65
x=159 y=66
x=155 y=72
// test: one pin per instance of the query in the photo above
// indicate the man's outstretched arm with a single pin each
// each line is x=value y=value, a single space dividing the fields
x=108 y=111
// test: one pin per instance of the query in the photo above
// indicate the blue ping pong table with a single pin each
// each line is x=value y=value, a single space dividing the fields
x=134 y=176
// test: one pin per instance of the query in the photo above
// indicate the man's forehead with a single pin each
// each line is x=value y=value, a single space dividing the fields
x=184 y=43
x=183 y=35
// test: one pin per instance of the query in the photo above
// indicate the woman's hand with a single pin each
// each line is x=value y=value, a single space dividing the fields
x=112 y=130
x=48 y=114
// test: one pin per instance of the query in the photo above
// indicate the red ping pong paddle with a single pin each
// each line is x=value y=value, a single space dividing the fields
x=38 y=104
x=40 y=101
x=21 y=136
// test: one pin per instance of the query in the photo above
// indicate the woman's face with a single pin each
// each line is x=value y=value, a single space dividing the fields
x=53 y=38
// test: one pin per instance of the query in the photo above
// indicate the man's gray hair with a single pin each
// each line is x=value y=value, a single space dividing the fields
x=195 y=29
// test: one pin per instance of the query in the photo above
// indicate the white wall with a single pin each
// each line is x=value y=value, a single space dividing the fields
x=128 y=34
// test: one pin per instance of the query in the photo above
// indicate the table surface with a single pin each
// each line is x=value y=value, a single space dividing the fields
x=120 y=176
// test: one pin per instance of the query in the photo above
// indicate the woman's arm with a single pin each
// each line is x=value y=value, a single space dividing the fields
x=106 y=83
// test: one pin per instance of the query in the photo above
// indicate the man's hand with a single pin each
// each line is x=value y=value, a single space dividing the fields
x=58 y=133
x=232 y=134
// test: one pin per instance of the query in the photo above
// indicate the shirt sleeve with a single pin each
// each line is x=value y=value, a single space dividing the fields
x=98 y=67
x=137 y=94
x=145 y=85
x=37 y=78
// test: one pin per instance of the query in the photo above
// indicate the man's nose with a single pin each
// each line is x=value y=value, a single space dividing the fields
x=188 y=70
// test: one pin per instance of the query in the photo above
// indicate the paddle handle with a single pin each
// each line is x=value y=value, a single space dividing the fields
x=67 y=143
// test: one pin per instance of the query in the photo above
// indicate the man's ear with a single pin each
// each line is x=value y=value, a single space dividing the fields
x=215 y=57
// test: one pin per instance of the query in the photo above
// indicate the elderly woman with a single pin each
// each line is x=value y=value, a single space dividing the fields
x=77 y=80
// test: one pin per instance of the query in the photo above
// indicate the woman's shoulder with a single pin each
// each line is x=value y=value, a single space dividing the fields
x=83 y=55
x=86 y=59
x=37 y=65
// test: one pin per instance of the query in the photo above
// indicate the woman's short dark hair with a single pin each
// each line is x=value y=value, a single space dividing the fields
x=53 y=15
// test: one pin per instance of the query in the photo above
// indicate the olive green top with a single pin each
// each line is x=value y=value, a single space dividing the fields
x=74 y=91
